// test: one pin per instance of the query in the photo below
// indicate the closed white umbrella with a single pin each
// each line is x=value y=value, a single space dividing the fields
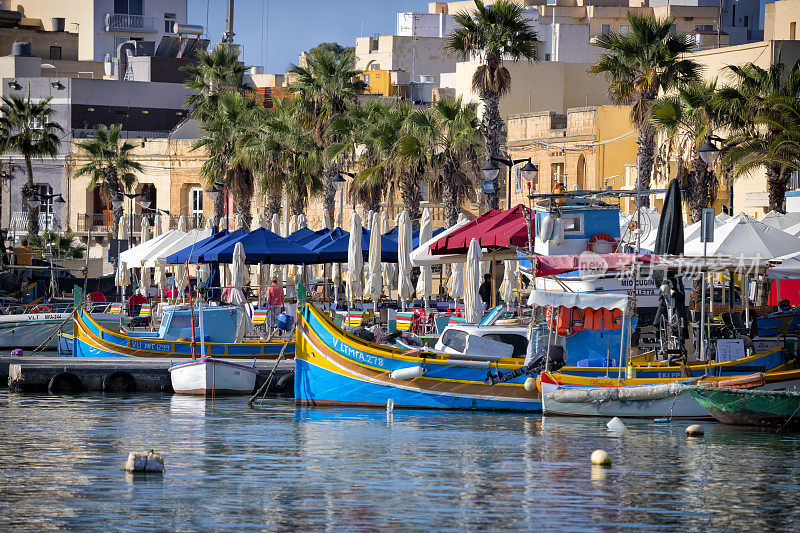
x=145 y=232
x=260 y=222
x=355 y=260
x=122 y=232
x=425 y=280
x=161 y=275
x=375 y=285
x=223 y=223
x=405 y=290
x=209 y=222
x=302 y=222
x=509 y=284
x=455 y=283
x=473 y=311
x=238 y=221
x=326 y=215
x=237 y=267
x=182 y=224
x=145 y=282
x=123 y=278
x=181 y=281
x=389 y=270
x=157 y=229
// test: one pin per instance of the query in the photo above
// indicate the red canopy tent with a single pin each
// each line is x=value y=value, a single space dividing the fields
x=494 y=229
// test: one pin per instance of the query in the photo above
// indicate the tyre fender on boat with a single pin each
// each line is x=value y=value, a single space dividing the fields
x=410 y=372
x=546 y=231
x=286 y=383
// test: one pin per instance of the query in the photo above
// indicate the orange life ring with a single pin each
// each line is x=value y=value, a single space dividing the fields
x=601 y=237
x=42 y=308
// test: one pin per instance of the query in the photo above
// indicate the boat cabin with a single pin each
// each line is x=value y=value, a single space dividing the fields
x=576 y=227
x=220 y=324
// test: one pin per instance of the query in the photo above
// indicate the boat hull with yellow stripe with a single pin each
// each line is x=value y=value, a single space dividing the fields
x=90 y=339
x=333 y=367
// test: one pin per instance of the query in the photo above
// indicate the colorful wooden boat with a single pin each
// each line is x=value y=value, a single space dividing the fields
x=93 y=340
x=333 y=367
x=212 y=376
x=749 y=407
x=566 y=394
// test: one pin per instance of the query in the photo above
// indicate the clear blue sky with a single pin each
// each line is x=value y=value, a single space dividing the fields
x=294 y=25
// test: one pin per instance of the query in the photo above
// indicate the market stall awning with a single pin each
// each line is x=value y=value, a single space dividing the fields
x=392 y=234
x=194 y=252
x=336 y=251
x=494 y=230
x=263 y=246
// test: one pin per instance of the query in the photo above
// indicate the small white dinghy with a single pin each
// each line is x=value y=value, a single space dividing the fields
x=212 y=376
x=209 y=376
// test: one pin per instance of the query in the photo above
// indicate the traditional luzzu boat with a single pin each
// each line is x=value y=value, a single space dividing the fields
x=333 y=367
x=173 y=339
x=749 y=407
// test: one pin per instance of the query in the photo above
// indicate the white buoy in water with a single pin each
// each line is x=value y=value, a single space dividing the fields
x=615 y=424
x=601 y=458
x=695 y=430
x=144 y=462
x=410 y=372
x=389 y=405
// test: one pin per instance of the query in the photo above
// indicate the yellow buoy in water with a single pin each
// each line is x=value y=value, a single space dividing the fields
x=530 y=384
x=601 y=458
x=695 y=430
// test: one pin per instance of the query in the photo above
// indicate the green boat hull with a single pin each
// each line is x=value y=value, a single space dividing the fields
x=749 y=407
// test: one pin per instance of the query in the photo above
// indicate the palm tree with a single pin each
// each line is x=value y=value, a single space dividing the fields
x=282 y=150
x=224 y=133
x=214 y=73
x=445 y=136
x=326 y=86
x=110 y=165
x=27 y=129
x=686 y=118
x=639 y=64
x=753 y=109
x=62 y=246
x=493 y=33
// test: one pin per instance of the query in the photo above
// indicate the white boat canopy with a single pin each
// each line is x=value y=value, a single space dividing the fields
x=581 y=300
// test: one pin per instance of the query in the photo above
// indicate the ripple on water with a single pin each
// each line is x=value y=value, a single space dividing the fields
x=230 y=466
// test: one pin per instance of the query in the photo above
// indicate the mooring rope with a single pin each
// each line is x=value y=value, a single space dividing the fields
x=55 y=332
x=265 y=386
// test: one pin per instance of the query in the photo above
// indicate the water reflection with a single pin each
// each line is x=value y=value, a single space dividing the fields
x=282 y=467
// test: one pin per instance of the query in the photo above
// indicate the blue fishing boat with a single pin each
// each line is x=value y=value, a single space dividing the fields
x=223 y=332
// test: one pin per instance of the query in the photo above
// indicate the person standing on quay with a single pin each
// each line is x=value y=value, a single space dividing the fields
x=274 y=300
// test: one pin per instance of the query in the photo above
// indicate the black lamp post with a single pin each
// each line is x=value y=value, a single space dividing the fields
x=491 y=170
x=708 y=150
x=35 y=201
x=212 y=192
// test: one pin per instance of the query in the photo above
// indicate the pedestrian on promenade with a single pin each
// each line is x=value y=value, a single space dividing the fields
x=274 y=300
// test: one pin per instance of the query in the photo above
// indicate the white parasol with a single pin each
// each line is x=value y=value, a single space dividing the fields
x=389 y=269
x=375 y=284
x=157 y=229
x=425 y=280
x=509 y=284
x=405 y=290
x=161 y=274
x=182 y=224
x=473 y=310
x=237 y=275
x=355 y=260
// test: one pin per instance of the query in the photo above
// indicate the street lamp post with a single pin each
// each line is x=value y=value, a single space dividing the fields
x=144 y=202
x=529 y=172
x=339 y=182
x=35 y=201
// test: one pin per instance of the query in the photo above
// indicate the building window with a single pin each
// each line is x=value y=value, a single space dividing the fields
x=606 y=29
x=169 y=22
x=129 y=7
x=196 y=204
x=547 y=57
x=792 y=30
x=623 y=28
x=44 y=190
x=704 y=27
x=55 y=52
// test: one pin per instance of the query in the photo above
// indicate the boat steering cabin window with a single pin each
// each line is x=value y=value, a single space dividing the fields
x=455 y=340
x=573 y=223
x=519 y=342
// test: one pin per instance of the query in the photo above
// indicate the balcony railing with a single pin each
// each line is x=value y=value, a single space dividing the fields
x=192 y=221
x=19 y=222
x=98 y=222
x=134 y=23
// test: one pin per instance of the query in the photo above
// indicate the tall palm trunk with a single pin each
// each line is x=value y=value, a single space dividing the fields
x=777 y=183
x=493 y=132
x=274 y=202
x=449 y=193
x=242 y=189
x=409 y=192
x=645 y=157
x=329 y=196
x=699 y=187
x=33 y=211
x=219 y=206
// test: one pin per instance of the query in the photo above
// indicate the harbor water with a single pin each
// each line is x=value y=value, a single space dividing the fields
x=275 y=466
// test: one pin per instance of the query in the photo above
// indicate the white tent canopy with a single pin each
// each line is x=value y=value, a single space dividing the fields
x=135 y=257
x=780 y=220
x=788 y=269
x=179 y=242
x=581 y=300
x=745 y=237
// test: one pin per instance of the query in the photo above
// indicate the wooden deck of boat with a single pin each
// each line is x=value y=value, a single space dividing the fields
x=34 y=374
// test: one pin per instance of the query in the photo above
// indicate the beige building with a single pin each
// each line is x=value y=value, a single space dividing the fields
x=102 y=25
x=584 y=148
x=781 y=20
x=417 y=56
